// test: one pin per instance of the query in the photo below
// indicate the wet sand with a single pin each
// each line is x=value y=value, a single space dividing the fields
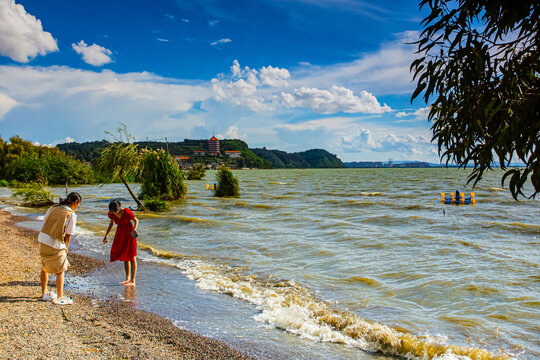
x=90 y=328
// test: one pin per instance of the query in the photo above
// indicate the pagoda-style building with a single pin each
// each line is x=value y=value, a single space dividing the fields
x=213 y=146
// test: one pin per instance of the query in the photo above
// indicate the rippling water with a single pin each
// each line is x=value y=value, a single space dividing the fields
x=367 y=259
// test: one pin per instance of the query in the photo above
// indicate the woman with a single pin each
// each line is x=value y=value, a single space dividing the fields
x=124 y=247
x=58 y=227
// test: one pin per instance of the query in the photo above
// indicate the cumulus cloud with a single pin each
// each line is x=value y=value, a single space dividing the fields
x=21 y=34
x=418 y=114
x=269 y=88
x=6 y=104
x=221 y=41
x=333 y=100
x=363 y=141
x=94 y=54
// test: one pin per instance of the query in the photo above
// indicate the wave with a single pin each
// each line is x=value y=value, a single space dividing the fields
x=256 y=206
x=181 y=218
x=290 y=306
x=515 y=226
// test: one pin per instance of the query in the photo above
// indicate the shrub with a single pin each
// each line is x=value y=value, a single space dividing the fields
x=161 y=177
x=34 y=195
x=156 y=205
x=197 y=172
x=227 y=184
x=4 y=183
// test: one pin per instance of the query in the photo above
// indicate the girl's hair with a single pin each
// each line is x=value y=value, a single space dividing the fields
x=72 y=197
x=114 y=205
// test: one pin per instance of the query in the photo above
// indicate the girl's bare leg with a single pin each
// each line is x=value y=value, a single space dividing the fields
x=44 y=279
x=133 y=272
x=60 y=284
x=127 y=269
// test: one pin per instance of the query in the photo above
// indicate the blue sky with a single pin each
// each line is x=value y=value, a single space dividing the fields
x=285 y=74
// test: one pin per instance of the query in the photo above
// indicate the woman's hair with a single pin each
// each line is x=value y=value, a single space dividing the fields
x=114 y=205
x=72 y=198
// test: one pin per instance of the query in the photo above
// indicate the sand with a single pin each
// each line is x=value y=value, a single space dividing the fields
x=90 y=328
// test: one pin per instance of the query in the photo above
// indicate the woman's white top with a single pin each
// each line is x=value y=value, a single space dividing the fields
x=71 y=221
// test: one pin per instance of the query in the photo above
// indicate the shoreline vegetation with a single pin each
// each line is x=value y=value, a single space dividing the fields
x=90 y=328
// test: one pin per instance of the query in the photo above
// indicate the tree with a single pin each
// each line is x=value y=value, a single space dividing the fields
x=161 y=177
x=227 y=183
x=120 y=159
x=479 y=61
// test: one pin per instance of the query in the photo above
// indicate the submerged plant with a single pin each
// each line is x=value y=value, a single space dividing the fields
x=227 y=184
x=197 y=172
x=156 y=205
x=34 y=195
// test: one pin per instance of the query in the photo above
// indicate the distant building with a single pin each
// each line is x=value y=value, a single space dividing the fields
x=213 y=146
x=233 y=154
x=199 y=153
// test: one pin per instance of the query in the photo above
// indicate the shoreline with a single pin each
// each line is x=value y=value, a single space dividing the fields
x=90 y=328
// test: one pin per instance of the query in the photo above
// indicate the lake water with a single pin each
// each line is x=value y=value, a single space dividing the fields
x=333 y=264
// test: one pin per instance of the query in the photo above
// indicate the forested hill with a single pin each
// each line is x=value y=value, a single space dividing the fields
x=315 y=158
x=258 y=158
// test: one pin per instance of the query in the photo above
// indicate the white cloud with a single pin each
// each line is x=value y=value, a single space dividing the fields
x=21 y=35
x=405 y=145
x=213 y=22
x=273 y=76
x=419 y=114
x=85 y=103
x=333 y=100
x=6 y=104
x=94 y=54
x=268 y=89
x=170 y=17
x=221 y=41
x=162 y=40
x=185 y=20
x=382 y=72
x=333 y=123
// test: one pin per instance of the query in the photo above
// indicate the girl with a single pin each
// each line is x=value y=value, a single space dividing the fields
x=124 y=247
x=54 y=238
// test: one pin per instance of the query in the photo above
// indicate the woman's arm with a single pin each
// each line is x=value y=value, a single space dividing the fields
x=136 y=222
x=108 y=230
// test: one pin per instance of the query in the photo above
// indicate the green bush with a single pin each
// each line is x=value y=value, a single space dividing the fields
x=161 y=177
x=34 y=195
x=156 y=205
x=227 y=184
x=197 y=172
x=4 y=183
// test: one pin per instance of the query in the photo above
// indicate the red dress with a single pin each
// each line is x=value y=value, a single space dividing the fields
x=124 y=247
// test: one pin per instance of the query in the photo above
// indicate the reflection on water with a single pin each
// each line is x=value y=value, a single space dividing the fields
x=365 y=257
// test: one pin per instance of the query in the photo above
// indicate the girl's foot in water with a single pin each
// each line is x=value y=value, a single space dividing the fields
x=124 y=282
x=130 y=283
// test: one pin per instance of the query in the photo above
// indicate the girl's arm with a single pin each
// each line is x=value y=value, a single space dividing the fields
x=67 y=239
x=136 y=222
x=108 y=230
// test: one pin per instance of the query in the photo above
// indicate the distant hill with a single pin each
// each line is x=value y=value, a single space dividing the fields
x=315 y=158
x=256 y=158
x=380 y=164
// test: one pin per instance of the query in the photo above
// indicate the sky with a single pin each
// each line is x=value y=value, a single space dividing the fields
x=291 y=75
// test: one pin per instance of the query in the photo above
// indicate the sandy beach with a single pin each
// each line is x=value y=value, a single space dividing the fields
x=90 y=328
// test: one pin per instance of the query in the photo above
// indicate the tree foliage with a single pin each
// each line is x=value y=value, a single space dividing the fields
x=161 y=177
x=227 y=183
x=120 y=160
x=23 y=161
x=197 y=172
x=479 y=61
